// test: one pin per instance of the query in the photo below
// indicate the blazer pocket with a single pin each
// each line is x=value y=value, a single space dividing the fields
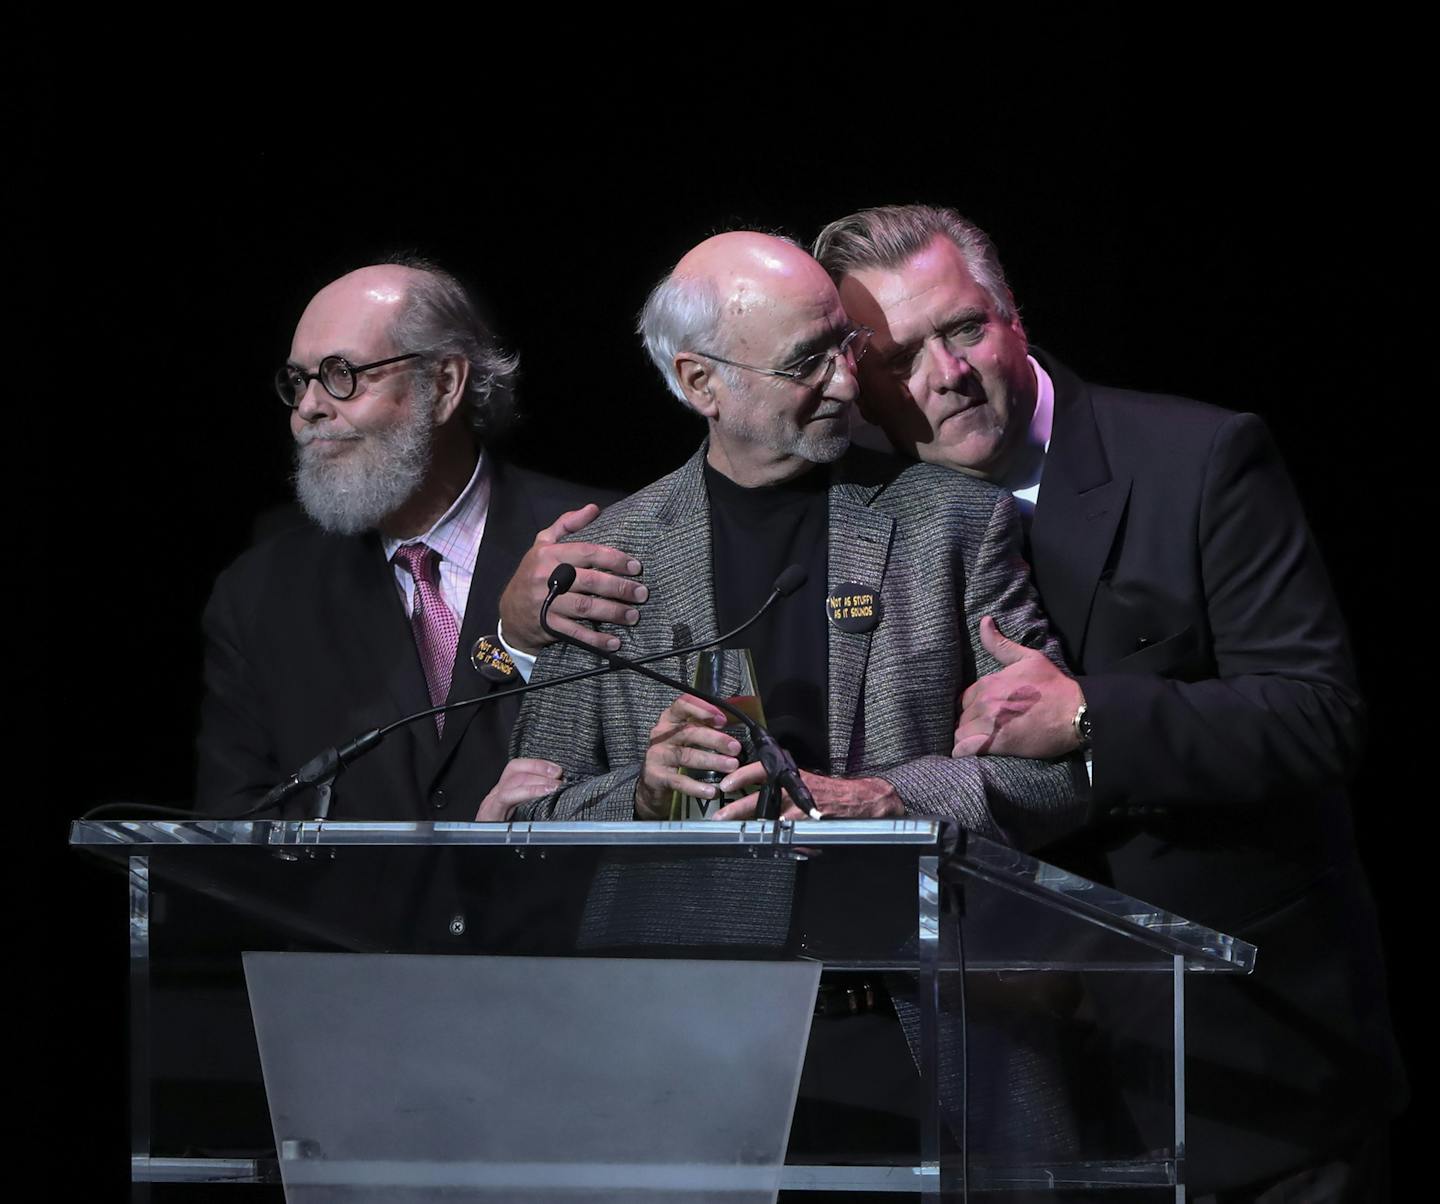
x=1180 y=655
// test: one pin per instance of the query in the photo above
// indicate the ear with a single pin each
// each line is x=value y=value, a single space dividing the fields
x=697 y=380
x=452 y=374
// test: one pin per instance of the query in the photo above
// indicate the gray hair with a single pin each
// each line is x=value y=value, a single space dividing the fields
x=440 y=318
x=682 y=313
x=886 y=236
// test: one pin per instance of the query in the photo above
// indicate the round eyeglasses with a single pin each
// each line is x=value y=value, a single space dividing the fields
x=337 y=376
x=814 y=371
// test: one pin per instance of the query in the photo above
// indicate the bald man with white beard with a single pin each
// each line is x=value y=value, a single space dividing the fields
x=389 y=601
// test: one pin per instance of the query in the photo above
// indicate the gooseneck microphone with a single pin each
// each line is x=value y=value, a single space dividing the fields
x=321 y=770
x=779 y=765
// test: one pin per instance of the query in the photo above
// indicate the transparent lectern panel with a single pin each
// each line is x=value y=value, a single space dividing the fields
x=1039 y=1082
x=1056 y=1061
x=420 y=1078
x=211 y=903
x=1011 y=879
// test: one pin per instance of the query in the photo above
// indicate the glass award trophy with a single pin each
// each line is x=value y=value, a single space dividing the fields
x=727 y=673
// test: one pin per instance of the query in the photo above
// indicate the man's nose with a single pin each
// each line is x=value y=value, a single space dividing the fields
x=315 y=403
x=946 y=370
x=843 y=384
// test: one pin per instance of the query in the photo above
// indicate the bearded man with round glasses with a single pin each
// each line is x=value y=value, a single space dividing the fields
x=391 y=601
x=350 y=480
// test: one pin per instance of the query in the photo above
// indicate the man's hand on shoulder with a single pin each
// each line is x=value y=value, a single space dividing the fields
x=604 y=591
x=1025 y=709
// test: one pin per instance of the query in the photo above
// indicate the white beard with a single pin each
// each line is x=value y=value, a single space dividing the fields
x=365 y=484
x=818 y=445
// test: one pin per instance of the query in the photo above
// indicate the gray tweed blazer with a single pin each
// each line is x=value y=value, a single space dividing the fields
x=943 y=549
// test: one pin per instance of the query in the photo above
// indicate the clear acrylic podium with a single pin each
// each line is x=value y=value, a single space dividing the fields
x=984 y=1023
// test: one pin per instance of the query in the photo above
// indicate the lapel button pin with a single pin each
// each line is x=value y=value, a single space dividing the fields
x=854 y=607
x=491 y=660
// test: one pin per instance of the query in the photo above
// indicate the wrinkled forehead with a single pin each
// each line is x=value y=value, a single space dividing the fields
x=353 y=317
x=930 y=289
x=778 y=316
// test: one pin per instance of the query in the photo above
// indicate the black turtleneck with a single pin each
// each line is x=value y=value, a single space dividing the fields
x=754 y=534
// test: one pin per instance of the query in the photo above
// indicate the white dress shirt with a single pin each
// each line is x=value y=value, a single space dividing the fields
x=456 y=538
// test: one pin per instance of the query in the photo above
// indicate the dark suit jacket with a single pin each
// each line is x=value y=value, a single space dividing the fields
x=1174 y=559
x=941 y=550
x=307 y=644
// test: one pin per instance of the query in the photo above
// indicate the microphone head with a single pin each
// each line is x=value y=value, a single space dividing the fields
x=791 y=579
x=562 y=579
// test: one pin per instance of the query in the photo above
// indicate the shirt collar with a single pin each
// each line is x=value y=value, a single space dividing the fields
x=457 y=533
x=1027 y=467
x=1042 y=422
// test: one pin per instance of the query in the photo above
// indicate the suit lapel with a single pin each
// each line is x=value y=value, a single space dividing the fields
x=1079 y=511
x=378 y=645
x=510 y=527
x=680 y=571
x=859 y=551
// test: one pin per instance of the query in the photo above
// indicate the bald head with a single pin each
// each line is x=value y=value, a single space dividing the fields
x=719 y=293
x=355 y=316
x=727 y=328
x=414 y=305
x=751 y=272
x=378 y=284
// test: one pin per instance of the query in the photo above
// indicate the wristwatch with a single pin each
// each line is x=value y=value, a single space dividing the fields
x=1084 y=729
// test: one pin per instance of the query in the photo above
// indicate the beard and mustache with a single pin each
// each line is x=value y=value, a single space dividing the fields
x=357 y=489
x=756 y=421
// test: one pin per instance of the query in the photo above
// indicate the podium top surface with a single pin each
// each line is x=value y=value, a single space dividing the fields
x=962 y=856
x=141 y=833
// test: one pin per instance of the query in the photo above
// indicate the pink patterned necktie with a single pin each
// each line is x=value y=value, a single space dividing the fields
x=437 y=635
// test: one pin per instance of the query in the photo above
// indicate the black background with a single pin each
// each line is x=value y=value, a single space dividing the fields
x=1238 y=228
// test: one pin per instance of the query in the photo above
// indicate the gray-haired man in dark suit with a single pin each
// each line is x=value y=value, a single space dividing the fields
x=1214 y=687
x=750 y=333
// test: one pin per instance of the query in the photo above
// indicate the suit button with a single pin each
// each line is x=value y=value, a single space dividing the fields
x=438 y=800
